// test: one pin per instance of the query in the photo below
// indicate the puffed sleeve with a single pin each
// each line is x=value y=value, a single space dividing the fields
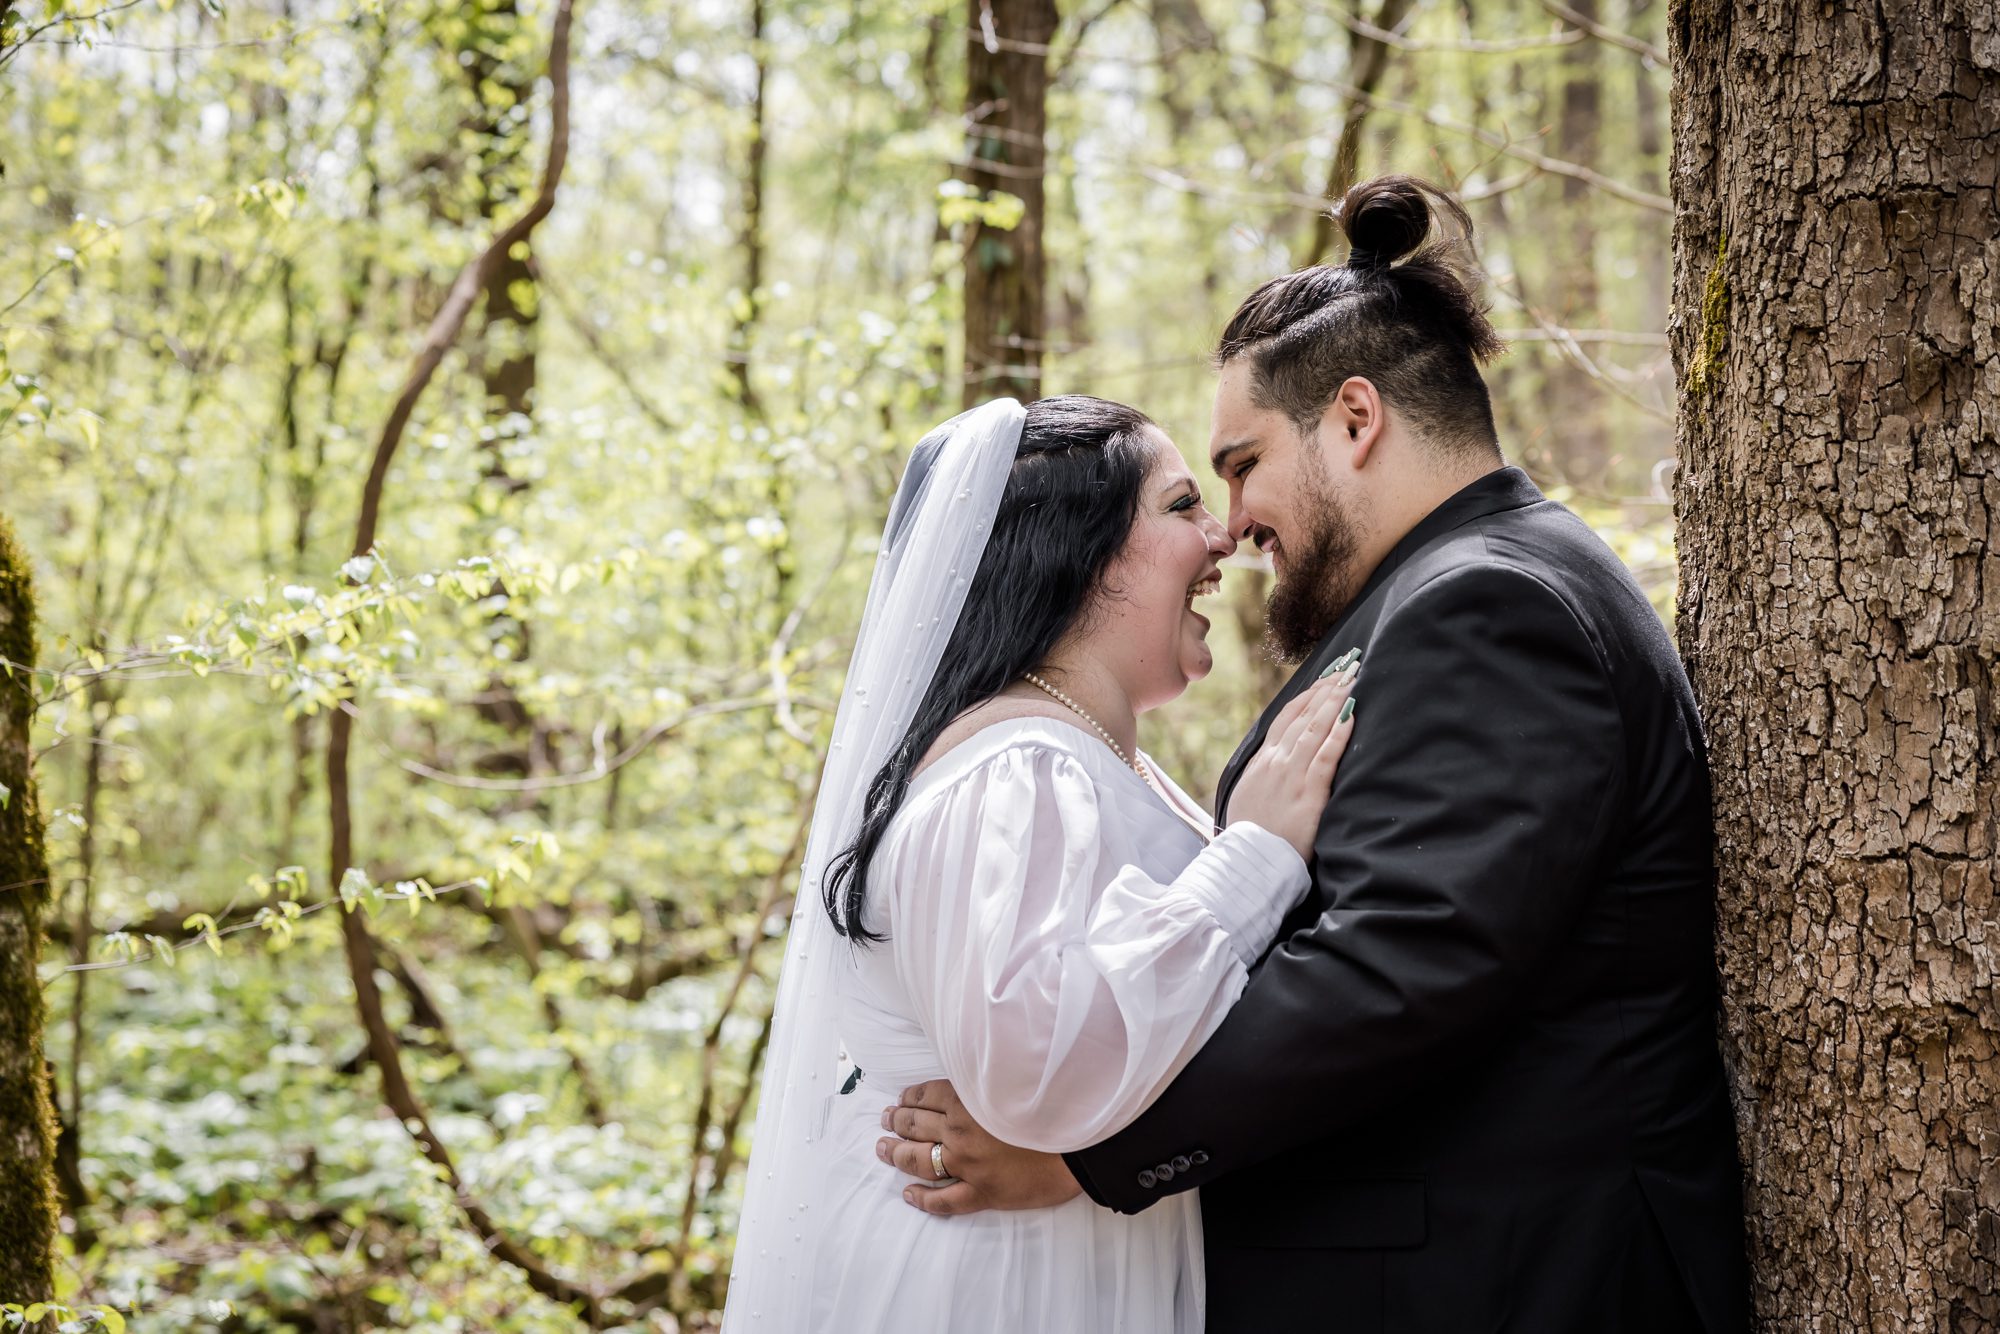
x=1064 y=991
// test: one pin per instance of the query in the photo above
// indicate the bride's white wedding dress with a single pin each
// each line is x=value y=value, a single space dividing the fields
x=1060 y=943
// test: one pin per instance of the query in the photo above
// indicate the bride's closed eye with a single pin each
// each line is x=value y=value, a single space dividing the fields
x=1186 y=502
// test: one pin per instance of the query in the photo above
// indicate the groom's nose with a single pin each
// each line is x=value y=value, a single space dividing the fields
x=1241 y=525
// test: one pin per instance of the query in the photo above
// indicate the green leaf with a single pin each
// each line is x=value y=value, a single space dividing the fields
x=206 y=924
x=356 y=889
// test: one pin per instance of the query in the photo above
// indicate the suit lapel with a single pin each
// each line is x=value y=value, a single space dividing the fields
x=1501 y=489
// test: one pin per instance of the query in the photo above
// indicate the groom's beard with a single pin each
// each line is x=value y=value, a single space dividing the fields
x=1319 y=582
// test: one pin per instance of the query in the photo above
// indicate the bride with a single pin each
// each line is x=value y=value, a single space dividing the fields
x=1002 y=890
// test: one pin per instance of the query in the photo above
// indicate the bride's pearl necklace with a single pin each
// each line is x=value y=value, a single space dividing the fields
x=1136 y=764
x=1129 y=761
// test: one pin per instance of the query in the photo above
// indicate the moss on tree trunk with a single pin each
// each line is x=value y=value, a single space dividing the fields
x=28 y=1208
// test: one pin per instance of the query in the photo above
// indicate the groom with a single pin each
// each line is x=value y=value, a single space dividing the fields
x=1475 y=1085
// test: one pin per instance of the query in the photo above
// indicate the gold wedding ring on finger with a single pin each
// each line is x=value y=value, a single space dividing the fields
x=937 y=1161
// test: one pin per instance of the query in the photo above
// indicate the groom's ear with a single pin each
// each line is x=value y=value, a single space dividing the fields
x=1352 y=424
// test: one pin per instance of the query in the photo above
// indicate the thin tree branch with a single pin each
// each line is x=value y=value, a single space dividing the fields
x=647 y=1287
x=1501 y=144
x=599 y=770
x=1083 y=27
x=1507 y=147
x=1653 y=54
x=1472 y=45
x=22 y=42
x=1614 y=337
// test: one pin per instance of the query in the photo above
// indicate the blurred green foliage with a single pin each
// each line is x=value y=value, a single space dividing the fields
x=594 y=652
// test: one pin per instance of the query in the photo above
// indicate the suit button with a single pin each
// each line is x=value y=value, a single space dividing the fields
x=1148 y=1180
x=1199 y=1157
x=1164 y=1172
x=1183 y=1163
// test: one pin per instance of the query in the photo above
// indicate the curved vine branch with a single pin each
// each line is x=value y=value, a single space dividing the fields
x=359 y=942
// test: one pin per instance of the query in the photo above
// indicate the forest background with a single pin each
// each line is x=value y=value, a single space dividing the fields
x=551 y=743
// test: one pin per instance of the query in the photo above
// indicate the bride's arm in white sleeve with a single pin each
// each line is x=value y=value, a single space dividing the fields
x=1059 y=1013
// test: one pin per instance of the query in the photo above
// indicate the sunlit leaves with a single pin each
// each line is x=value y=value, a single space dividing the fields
x=358 y=891
x=70 y=1319
x=960 y=203
x=278 y=921
x=204 y=925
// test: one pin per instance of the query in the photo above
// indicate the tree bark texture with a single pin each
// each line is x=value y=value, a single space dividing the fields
x=1006 y=93
x=28 y=1200
x=1577 y=421
x=1837 y=334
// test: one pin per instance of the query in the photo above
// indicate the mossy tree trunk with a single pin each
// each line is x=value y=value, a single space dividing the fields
x=28 y=1208
x=1837 y=334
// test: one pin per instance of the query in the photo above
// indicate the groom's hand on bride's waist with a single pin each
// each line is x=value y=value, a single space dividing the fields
x=980 y=1171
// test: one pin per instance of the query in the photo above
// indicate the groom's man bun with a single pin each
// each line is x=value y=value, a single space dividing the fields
x=1403 y=313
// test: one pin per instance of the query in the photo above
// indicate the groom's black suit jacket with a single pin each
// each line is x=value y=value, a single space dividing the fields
x=1475 y=1086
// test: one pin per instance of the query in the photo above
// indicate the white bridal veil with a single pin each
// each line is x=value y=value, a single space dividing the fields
x=931 y=546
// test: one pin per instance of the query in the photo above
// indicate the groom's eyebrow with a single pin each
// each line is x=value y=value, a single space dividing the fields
x=1220 y=459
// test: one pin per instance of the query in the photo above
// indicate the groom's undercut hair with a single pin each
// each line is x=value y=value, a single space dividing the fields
x=1402 y=312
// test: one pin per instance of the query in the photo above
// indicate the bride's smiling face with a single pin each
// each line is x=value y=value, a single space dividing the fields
x=1145 y=627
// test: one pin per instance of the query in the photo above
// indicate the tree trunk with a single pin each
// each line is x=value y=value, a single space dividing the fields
x=1367 y=61
x=750 y=226
x=503 y=346
x=1655 y=276
x=28 y=1208
x=1006 y=92
x=1577 y=447
x=1837 y=335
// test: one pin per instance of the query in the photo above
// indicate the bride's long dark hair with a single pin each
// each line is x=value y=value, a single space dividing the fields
x=1065 y=514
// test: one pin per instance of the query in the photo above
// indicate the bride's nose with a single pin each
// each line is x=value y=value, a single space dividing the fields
x=1220 y=542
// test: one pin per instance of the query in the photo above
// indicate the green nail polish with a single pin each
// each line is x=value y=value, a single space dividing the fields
x=1346 y=710
x=1331 y=668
